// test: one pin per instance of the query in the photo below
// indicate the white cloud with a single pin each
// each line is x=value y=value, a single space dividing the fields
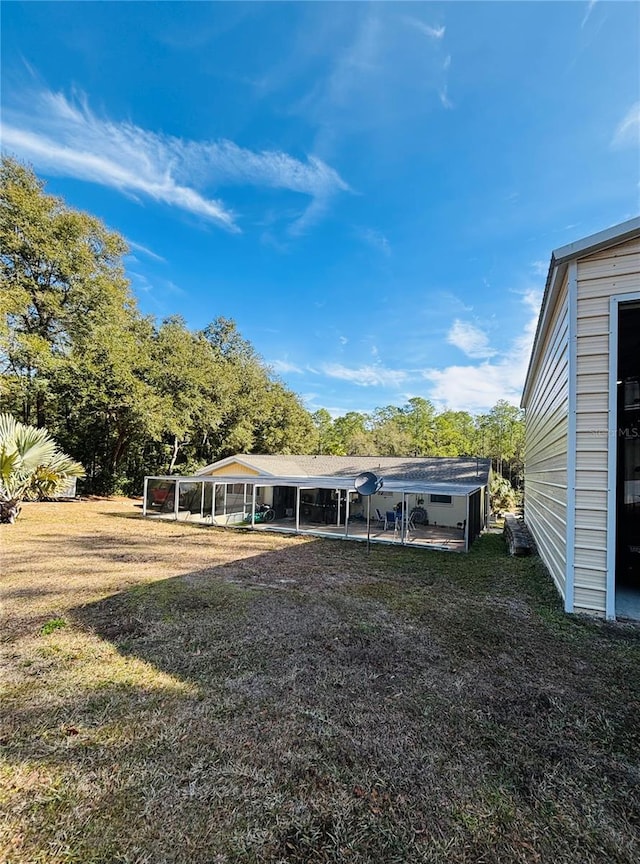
x=469 y=339
x=628 y=132
x=540 y=268
x=478 y=387
x=427 y=29
x=366 y=376
x=79 y=161
x=588 y=11
x=67 y=138
x=444 y=97
x=376 y=239
x=282 y=367
x=140 y=248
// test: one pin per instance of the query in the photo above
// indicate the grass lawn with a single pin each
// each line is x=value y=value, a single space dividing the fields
x=184 y=694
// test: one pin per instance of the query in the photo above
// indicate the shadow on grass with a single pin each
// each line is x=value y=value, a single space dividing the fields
x=316 y=703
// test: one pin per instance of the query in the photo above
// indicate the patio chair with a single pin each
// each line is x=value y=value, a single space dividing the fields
x=381 y=519
x=392 y=518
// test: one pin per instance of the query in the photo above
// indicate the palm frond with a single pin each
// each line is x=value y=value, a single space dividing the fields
x=30 y=463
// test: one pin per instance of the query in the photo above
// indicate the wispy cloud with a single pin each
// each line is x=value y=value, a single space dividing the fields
x=145 y=251
x=478 y=387
x=366 y=376
x=628 y=132
x=588 y=11
x=428 y=30
x=435 y=34
x=469 y=339
x=65 y=137
x=375 y=239
x=444 y=97
x=283 y=367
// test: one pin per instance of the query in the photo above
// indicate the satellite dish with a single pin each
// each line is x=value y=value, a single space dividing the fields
x=367 y=483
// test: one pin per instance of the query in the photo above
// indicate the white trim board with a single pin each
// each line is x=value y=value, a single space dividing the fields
x=614 y=305
x=572 y=372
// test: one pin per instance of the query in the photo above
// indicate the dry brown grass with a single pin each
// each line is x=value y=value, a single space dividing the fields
x=182 y=694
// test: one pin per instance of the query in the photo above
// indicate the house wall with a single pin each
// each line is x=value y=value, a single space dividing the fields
x=447 y=515
x=614 y=271
x=546 y=444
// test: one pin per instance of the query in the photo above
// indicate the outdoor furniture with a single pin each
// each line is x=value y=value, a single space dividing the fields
x=392 y=518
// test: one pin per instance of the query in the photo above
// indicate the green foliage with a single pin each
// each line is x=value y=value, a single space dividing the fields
x=31 y=465
x=52 y=625
x=501 y=494
x=124 y=395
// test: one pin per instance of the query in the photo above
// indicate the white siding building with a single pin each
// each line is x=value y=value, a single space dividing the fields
x=582 y=403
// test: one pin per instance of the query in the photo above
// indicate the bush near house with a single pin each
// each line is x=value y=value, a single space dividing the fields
x=501 y=494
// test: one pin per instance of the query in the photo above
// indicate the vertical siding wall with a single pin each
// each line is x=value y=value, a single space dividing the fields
x=547 y=413
x=614 y=271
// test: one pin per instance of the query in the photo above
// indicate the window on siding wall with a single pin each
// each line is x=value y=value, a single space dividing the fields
x=440 y=499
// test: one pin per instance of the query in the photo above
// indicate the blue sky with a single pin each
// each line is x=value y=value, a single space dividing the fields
x=372 y=191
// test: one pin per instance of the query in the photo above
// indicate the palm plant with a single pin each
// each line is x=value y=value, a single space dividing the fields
x=31 y=466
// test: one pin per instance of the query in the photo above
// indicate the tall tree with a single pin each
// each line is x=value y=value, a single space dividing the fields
x=60 y=271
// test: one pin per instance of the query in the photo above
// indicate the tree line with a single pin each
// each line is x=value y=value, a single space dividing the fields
x=126 y=395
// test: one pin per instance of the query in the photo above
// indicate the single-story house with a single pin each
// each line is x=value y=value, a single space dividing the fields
x=436 y=502
x=582 y=406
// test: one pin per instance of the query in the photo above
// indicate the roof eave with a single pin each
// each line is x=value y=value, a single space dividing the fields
x=560 y=258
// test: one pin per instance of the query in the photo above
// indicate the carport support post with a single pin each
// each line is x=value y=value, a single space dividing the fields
x=202 y=502
x=346 y=513
x=297 y=508
x=403 y=533
x=213 y=504
x=338 y=509
x=144 y=496
x=253 y=507
x=176 y=500
x=466 y=528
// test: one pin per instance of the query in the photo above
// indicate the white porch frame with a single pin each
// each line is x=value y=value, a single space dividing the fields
x=343 y=487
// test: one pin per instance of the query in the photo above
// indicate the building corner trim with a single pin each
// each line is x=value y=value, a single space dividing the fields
x=572 y=318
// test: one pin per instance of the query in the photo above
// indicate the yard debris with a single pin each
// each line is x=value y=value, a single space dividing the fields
x=516 y=535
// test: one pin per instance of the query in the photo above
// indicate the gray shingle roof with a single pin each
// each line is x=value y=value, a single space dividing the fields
x=392 y=468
